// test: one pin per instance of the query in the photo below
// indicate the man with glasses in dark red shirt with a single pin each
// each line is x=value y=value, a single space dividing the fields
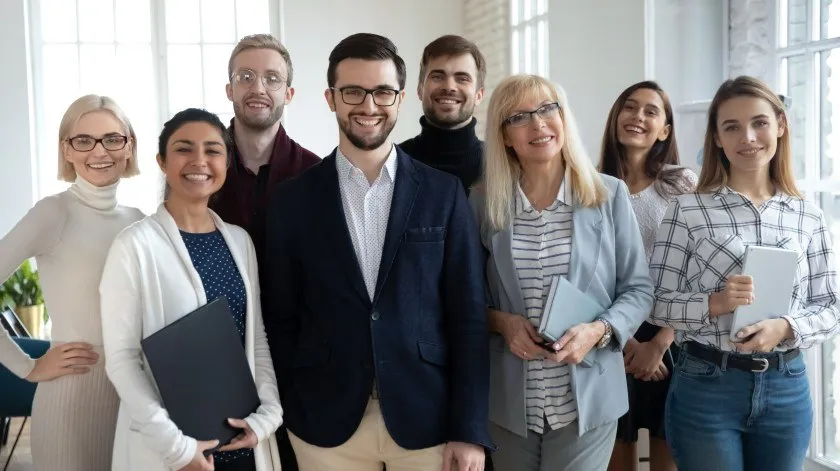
x=260 y=73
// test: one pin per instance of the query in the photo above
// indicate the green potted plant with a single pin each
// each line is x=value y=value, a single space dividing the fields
x=22 y=291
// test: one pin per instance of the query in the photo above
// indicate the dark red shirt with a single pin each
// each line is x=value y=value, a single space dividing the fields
x=243 y=198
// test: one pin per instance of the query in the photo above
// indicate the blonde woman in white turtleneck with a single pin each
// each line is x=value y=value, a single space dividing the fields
x=75 y=409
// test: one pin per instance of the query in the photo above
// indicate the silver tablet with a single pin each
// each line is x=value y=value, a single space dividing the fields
x=773 y=271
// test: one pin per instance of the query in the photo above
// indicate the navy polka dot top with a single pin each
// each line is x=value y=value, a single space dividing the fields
x=220 y=276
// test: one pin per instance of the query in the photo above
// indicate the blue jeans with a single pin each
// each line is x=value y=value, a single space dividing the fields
x=733 y=420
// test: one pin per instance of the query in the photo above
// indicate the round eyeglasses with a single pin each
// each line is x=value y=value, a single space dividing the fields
x=544 y=112
x=248 y=78
x=84 y=143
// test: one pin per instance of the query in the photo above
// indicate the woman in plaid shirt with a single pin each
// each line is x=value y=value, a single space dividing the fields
x=743 y=406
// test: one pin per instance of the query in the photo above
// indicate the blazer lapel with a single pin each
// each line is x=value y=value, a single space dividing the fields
x=336 y=229
x=586 y=243
x=405 y=192
x=502 y=242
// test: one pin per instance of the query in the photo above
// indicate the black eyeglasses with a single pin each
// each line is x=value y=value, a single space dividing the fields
x=353 y=95
x=248 y=78
x=85 y=143
x=546 y=111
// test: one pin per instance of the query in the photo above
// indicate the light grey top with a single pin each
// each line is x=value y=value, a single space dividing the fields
x=69 y=235
x=650 y=207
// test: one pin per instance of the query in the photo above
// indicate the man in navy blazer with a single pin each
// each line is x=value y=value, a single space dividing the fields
x=374 y=292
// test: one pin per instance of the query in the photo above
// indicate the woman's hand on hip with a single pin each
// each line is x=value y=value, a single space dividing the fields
x=66 y=359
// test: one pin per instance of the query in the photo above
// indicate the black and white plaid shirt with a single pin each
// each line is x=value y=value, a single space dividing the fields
x=702 y=240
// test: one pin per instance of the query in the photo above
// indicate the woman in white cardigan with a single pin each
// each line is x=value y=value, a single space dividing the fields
x=165 y=266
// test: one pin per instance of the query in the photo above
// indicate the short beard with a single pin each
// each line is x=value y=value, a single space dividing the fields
x=447 y=122
x=257 y=124
x=374 y=143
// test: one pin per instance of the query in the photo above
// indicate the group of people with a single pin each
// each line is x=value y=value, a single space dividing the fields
x=388 y=295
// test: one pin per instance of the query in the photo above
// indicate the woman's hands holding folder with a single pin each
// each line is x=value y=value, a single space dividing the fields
x=199 y=461
x=520 y=335
x=246 y=439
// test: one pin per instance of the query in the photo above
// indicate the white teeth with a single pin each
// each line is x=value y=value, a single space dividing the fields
x=197 y=177
x=541 y=140
x=101 y=165
x=368 y=122
x=447 y=102
x=257 y=105
x=750 y=151
x=634 y=129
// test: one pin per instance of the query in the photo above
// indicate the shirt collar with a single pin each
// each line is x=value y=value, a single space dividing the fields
x=779 y=197
x=346 y=169
x=564 y=196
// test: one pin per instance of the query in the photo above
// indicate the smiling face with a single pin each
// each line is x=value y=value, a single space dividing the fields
x=195 y=163
x=541 y=139
x=450 y=91
x=365 y=126
x=642 y=121
x=748 y=131
x=98 y=165
x=256 y=106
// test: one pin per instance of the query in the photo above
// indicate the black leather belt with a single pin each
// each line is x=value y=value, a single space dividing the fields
x=756 y=364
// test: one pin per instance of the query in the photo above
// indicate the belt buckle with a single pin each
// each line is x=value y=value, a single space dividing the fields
x=765 y=364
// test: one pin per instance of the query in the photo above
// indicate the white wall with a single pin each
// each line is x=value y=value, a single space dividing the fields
x=312 y=28
x=16 y=166
x=597 y=48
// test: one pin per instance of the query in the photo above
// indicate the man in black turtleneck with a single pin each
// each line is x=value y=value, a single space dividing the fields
x=451 y=84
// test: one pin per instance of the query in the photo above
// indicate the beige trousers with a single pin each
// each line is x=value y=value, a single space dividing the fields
x=367 y=450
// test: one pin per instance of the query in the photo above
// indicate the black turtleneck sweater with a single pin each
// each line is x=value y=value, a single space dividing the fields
x=455 y=151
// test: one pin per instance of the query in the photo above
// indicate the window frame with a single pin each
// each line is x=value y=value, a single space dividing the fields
x=159 y=47
x=811 y=185
x=540 y=65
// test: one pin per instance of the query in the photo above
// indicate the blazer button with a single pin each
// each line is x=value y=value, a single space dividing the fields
x=375 y=315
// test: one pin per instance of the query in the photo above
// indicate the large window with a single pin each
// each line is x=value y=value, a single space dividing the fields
x=808 y=33
x=529 y=37
x=154 y=57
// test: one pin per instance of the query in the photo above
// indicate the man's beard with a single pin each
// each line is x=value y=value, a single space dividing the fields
x=447 y=121
x=369 y=143
x=257 y=124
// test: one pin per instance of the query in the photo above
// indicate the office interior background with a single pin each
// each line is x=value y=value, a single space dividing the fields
x=156 y=57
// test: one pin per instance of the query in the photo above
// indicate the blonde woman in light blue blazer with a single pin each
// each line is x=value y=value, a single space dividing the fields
x=544 y=212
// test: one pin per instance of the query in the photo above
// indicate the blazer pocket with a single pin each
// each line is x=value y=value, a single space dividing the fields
x=425 y=234
x=309 y=357
x=433 y=353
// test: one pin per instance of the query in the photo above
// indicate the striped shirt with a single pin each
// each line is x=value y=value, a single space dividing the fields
x=702 y=240
x=542 y=246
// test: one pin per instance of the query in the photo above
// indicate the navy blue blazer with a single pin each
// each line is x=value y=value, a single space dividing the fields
x=423 y=336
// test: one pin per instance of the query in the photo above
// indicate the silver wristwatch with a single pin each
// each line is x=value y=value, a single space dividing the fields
x=605 y=340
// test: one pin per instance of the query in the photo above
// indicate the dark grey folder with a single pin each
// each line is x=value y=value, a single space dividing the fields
x=202 y=373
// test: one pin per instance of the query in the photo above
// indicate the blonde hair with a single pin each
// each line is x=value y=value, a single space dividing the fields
x=261 y=41
x=715 y=171
x=502 y=169
x=81 y=107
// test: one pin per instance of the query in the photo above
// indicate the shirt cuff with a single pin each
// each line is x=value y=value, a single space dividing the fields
x=23 y=368
x=796 y=341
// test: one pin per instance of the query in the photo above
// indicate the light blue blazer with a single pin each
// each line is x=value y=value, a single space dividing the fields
x=608 y=263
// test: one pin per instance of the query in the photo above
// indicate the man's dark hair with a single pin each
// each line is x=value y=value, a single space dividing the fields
x=453 y=45
x=365 y=46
